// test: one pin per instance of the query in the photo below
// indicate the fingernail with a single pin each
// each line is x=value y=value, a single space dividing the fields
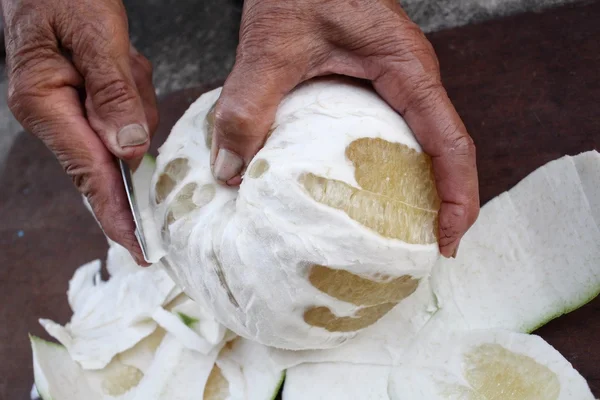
x=132 y=135
x=227 y=165
x=455 y=251
x=132 y=50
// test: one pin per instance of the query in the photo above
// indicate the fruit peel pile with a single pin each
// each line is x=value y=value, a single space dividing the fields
x=463 y=333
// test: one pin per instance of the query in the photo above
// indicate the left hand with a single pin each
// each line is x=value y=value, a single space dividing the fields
x=283 y=43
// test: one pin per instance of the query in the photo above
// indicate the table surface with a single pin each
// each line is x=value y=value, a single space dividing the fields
x=527 y=88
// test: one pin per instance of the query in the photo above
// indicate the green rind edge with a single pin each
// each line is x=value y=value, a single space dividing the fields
x=187 y=320
x=279 y=388
x=32 y=339
x=567 y=310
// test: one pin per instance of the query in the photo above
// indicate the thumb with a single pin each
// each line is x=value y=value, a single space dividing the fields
x=113 y=104
x=243 y=116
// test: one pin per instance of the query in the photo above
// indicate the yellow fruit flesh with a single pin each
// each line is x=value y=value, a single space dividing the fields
x=120 y=379
x=188 y=199
x=495 y=373
x=378 y=297
x=183 y=203
x=324 y=318
x=217 y=387
x=394 y=170
x=150 y=343
x=258 y=169
x=355 y=289
x=397 y=198
x=173 y=173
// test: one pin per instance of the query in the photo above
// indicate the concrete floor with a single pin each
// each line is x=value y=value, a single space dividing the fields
x=193 y=41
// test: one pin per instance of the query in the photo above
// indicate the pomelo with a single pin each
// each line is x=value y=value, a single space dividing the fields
x=334 y=224
x=295 y=257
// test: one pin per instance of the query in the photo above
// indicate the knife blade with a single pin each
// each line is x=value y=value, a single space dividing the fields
x=132 y=200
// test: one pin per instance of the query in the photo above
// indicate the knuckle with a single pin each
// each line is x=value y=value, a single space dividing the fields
x=265 y=53
x=403 y=41
x=85 y=174
x=24 y=100
x=423 y=92
x=261 y=44
x=103 y=26
x=234 y=118
x=97 y=39
x=114 y=96
x=460 y=143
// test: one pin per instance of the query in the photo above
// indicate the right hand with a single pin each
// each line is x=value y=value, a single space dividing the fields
x=77 y=84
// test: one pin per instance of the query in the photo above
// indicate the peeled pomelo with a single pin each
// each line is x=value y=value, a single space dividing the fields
x=334 y=224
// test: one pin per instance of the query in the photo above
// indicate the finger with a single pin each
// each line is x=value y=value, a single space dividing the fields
x=44 y=98
x=245 y=113
x=114 y=107
x=409 y=80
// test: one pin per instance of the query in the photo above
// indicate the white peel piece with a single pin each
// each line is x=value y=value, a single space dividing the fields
x=486 y=365
x=175 y=373
x=65 y=383
x=34 y=393
x=250 y=371
x=183 y=333
x=328 y=381
x=200 y=320
x=110 y=317
x=119 y=261
x=533 y=254
x=86 y=282
x=588 y=168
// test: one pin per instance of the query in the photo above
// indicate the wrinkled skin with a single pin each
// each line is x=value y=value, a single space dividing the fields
x=75 y=82
x=59 y=49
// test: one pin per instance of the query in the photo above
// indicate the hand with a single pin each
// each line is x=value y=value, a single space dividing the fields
x=283 y=43
x=77 y=84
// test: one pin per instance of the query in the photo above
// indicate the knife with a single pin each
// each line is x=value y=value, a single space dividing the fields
x=137 y=219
